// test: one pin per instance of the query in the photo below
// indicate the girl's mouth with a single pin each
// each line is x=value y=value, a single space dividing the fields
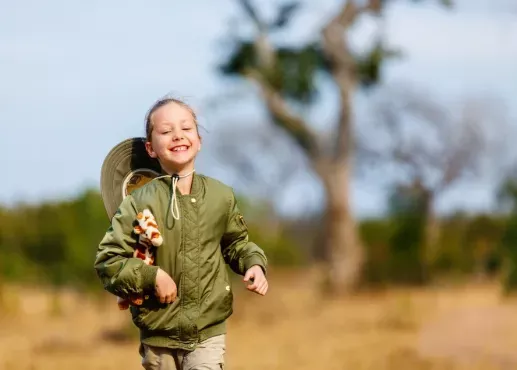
x=180 y=148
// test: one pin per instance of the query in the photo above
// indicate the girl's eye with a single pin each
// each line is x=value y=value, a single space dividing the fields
x=165 y=132
x=187 y=128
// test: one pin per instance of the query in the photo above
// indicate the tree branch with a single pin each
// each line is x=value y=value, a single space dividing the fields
x=334 y=44
x=465 y=151
x=294 y=125
x=276 y=103
x=343 y=68
x=253 y=15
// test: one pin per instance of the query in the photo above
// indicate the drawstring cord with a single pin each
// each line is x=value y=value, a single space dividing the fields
x=174 y=200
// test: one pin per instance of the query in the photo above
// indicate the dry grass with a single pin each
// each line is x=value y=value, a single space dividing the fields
x=455 y=328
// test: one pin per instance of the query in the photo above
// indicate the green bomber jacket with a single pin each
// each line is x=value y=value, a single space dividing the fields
x=209 y=234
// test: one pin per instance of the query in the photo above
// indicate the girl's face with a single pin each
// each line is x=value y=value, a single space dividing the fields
x=175 y=140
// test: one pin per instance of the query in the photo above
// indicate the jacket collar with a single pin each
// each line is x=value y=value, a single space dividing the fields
x=197 y=184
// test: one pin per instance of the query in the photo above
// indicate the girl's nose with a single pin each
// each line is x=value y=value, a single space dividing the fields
x=177 y=135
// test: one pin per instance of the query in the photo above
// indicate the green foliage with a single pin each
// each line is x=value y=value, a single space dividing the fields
x=508 y=195
x=509 y=251
x=445 y=3
x=469 y=246
x=369 y=65
x=285 y=13
x=293 y=74
x=278 y=247
x=296 y=67
x=409 y=210
x=283 y=16
x=55 y=243
x=295 y=70
x=484 y=233
x=452 y=254
x=376 y=235
x=267 y=231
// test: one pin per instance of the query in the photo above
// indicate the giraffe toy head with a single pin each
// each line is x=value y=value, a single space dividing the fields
x=147 y=228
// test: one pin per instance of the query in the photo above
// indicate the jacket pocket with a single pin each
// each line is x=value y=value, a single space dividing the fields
x=138 y=314
x=226 y=292
x=153 y=315
x=217 y=306
x=228 y=296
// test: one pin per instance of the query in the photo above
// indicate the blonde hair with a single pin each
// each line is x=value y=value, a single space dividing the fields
x=160 y=103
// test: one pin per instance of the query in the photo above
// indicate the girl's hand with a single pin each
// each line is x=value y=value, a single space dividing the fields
x=259 y=283
x=166 y=289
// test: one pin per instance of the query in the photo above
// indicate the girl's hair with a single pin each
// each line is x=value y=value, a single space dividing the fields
x=160 y=103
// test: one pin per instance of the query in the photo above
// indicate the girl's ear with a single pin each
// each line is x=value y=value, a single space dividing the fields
x=149 y=149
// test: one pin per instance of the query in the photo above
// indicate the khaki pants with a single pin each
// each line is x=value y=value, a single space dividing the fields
x=209 y=355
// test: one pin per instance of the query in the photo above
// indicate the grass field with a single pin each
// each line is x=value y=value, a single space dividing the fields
x=461 y=327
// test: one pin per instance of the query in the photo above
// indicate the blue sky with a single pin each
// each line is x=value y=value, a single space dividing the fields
x=77 y=77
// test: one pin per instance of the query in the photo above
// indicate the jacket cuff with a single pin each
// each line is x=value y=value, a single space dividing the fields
x=254 y=260
x=148 y=277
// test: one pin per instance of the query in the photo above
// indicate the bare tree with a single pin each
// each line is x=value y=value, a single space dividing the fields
x=285 y=77
x=264 y=157
x=431 y=146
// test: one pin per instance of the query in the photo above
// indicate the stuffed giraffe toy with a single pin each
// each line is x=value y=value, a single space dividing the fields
x=148 y=237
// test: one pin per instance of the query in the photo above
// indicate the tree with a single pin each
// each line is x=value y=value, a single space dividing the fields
x=286 y=80
x=507 y=197
x=407 y=206
x=251 y=161
x=432 y=146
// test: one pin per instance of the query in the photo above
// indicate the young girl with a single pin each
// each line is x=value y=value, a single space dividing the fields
x=188 y=295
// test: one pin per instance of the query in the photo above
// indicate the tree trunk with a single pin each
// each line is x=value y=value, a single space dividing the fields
x=344 y=252
x=432 y=237
x=431 y=232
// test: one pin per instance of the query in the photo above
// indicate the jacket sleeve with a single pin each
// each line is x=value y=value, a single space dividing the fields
x=121 y=273
x=238 y=251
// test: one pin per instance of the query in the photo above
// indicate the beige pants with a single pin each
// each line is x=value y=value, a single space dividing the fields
x=209 y=355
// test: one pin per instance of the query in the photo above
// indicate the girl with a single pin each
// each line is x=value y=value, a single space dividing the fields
x=188 y=295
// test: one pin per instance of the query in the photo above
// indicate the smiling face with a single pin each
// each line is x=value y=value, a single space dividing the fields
x=174 y=138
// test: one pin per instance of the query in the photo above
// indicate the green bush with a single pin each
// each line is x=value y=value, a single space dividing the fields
x=55 y=242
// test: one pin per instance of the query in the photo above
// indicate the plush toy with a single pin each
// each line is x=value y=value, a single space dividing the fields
x=148 y=237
